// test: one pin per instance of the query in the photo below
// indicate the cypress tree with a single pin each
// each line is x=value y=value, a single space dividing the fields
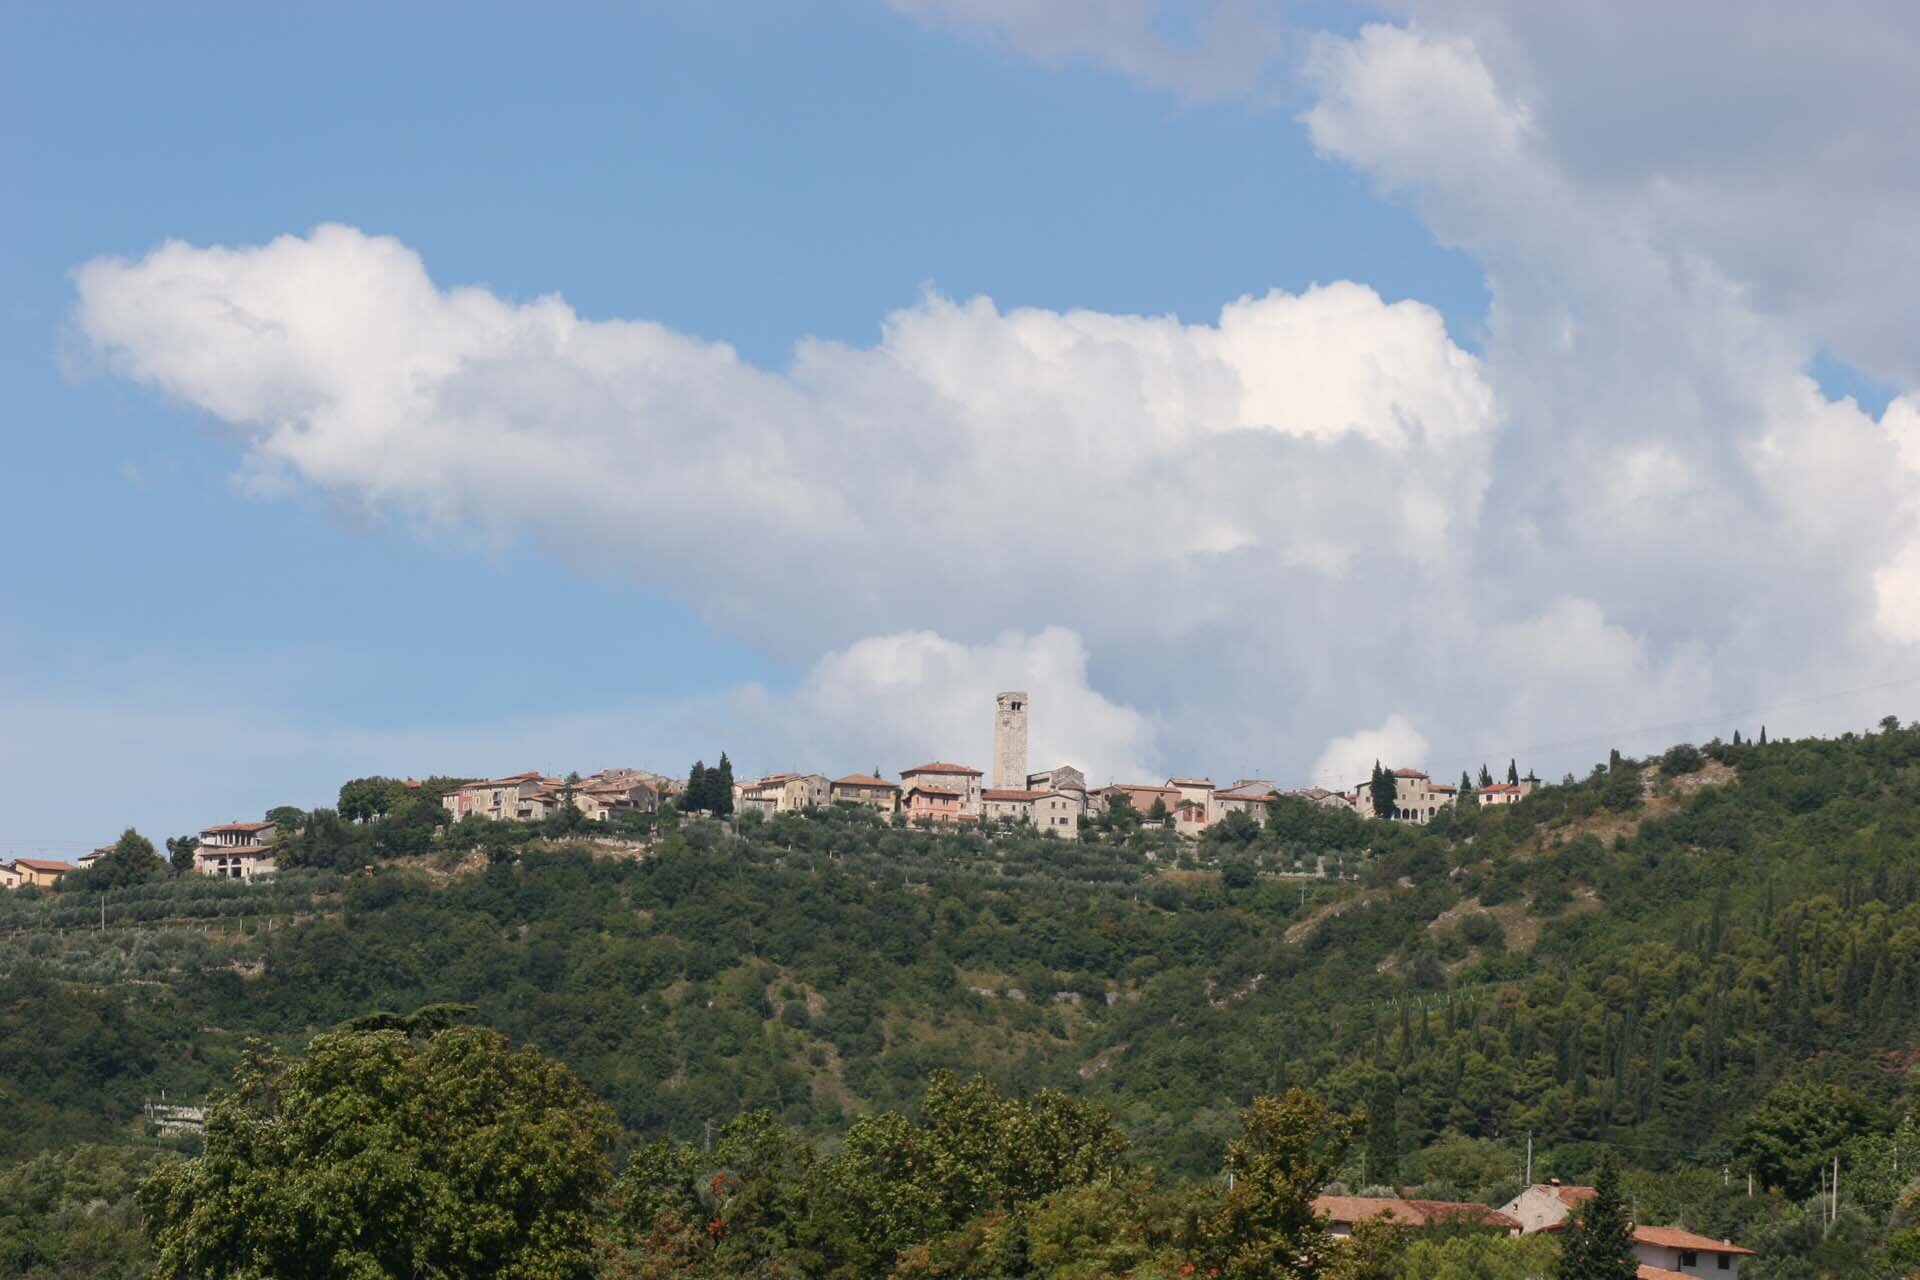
x=696 y=793
x=721 y=785
x=1486 y=775
x=1513 y=773
x=1599 y=1244
x=1383 y=1130
x=1385 y=791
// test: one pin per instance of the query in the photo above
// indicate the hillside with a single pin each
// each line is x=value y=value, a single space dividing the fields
x=1711 y=964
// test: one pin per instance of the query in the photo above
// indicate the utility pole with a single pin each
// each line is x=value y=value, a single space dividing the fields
x=1529 y=1181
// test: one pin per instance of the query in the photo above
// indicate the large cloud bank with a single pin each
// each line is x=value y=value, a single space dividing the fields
x=1273 y=543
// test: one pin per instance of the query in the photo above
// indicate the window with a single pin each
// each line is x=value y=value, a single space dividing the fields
x=1688 y=1258
x=1724 y=1261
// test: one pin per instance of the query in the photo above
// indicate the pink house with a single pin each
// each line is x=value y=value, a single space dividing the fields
x=935 y=804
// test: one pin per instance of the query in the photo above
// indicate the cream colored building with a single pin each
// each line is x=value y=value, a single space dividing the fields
x=236 y=850
x=868 y=789
x=1056 y=811
x=783 y=793
x=1253 y=798
x=1416 y=797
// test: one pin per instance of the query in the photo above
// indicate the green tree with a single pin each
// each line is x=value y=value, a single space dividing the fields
x=694 y=798
x=1383 y=1130
x=1486 y=775
x=383 y=1154
x=1598 y=1245
x=1796 y=1131
x=1157 y=812
x=287 y=817
x=722 y=785
x=1384 y=790
x=1513 y=773
x=1264 y=1227
x=132 y=860
x=180 y=853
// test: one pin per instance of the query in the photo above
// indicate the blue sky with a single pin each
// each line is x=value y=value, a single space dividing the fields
x=757 y=175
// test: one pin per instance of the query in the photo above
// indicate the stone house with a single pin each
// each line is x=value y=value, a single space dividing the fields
x=1056 y=811
x=1190 y=817
x=1321 y=796
x=941 y=775
x=498 y=799
x=1059 y=778
x=9 y=876
x=1506 y=792
x=783 y=793
x=1545 y=1205
x=1141 y=796
x=1198 y=790
x=1416 y=797
x=868 y=789
x=236 y=850
x=1254 y=798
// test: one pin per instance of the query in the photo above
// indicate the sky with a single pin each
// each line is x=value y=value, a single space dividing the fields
x=1265 y=388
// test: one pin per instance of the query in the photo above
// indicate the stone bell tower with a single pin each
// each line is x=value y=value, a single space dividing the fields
x=1010 y=742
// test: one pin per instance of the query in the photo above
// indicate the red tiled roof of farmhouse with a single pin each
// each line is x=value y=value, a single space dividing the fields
x=1675 y=1238
x=1441 y=786
x=1189 y=782
x=934 y=791
x=1411 y=1212
x=1409 y=773
x=500 y=782
x=1647 y=1271
x=1142 y=786
x=992 y=794
x=236 y=826
x=1498 y=786
x=42 y=864
x=941 y=766
x=864 y=780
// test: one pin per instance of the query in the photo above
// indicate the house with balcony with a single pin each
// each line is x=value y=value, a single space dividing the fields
x=236 y=850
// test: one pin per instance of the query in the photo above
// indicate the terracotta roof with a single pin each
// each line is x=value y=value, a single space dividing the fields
x=941 y=766
x=42 y=864
x=933 y=791
x=501 y=782
x=233 y=850
x=1498 y=786
x=991 y=794
x=1647 y=1271
x=864 y=780
x=1443 y=787
x=1409 y=773
x=237 y=826
x=1675 y=1238
x=1412 y=1212
x=1129 y=786
x=1190 y=782
x=1251 y=797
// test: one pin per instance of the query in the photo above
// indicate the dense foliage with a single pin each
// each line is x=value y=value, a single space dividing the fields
x=1707 y=964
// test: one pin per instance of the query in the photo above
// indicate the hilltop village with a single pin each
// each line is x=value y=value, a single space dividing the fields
x=1057 y=801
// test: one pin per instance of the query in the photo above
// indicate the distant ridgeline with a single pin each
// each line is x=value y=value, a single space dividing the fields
x=1707 y=963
